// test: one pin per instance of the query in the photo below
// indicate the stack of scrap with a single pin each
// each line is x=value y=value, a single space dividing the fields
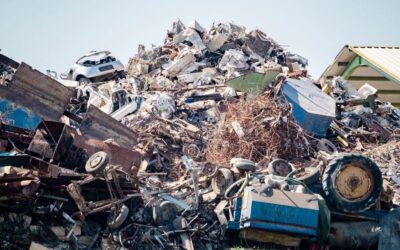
x=192 y=56
x=215 y=139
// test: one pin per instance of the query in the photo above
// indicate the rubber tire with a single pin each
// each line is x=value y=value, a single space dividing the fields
x=164 y=213
x=228 y=178
x=334 y=199
x=83 y=80
x=121 y=74
x=99 y=166
x=326 y=146
x=311 y=178
x=243 y=164
x=273 y=164
x=115 y=221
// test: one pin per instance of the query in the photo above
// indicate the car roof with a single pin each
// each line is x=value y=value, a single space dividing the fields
x=94 y=53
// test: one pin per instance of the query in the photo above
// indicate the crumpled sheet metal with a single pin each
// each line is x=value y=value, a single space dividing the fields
x=98 y=125
x=233 y=59
x=225 y=47
x=190 y=35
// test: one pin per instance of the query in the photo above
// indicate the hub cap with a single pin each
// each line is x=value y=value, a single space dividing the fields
x=354 y=182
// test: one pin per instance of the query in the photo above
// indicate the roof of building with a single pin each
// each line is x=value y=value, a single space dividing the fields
x=385 y=59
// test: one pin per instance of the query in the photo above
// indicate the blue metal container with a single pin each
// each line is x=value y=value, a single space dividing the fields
x=313 y=109
x=277 y=211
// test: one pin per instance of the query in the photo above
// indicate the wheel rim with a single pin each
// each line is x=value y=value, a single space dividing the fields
x=96 y=161
x=84 y=80
x=354 y=182
x=282 y=168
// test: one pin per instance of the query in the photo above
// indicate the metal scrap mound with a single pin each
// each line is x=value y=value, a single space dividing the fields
x=268 y=130
x=178 y=176
x=192 y=56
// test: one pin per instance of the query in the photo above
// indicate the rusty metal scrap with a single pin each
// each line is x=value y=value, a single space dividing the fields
x=268 y=131
x=172 y=173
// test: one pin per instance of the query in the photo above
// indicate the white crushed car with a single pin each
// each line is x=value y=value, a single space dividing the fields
x=115 y=101
x=94 y=67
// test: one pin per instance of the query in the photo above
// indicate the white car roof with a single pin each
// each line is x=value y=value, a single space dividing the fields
x=94 y=53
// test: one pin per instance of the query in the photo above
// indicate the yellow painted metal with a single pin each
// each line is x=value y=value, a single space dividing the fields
x=343 y=141
x=326 y=89
x=354 y=182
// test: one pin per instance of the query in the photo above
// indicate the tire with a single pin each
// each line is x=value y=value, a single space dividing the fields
x=117 y=218
x=164 y=213
x=243 y=164
x=280 y=167
x=83 y=80
x=326 y=146
x=121 y=75
x=311 y=177
x=352 y=183
x=97 y=163
x=221 y=181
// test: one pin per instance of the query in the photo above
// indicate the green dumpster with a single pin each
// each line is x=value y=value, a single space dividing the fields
x=254 y=83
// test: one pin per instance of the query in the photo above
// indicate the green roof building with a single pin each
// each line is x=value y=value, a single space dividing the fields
x=378 y=66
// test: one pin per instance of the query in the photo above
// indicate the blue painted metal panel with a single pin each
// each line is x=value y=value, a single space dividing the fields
x=275 y=213
x=281 y=228
x=313 y=109
x=235 y=223
x=17 y=116
x=279 y=211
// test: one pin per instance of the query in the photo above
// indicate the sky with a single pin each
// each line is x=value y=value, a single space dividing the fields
x=50 y=34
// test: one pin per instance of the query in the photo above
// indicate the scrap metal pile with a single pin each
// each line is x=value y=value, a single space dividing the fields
x=214 y=139
x=192 y=56
x=261 y=129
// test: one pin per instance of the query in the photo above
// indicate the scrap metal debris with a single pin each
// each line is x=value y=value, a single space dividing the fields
x=218 y=138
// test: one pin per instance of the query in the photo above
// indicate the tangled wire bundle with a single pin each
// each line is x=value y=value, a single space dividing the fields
x=269 y=131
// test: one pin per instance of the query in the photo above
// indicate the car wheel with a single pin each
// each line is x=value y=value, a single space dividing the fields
x=97 y=163
x=83 y=80
x=280 y=167
x=243 y=164
x=117 y=218
x=352 y=183
x=164 y=213
x=121 y=75
x=327 y=146
x=221 y=181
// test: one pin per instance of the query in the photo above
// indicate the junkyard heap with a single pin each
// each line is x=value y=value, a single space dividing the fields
x=215 y=134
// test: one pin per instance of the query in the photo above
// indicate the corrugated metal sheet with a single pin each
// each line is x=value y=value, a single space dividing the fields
x=385 y=58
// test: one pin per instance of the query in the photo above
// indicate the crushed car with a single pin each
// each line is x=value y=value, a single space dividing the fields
x=95 y=66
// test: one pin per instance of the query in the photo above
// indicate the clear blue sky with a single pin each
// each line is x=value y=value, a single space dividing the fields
x=52 y=34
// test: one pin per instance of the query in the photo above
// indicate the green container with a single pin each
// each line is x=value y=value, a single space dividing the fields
x=254 y=83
